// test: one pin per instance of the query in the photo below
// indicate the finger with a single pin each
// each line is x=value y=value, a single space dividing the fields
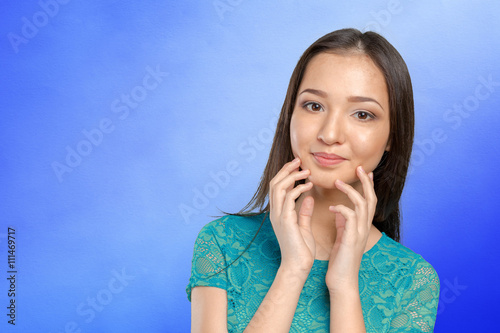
x=291 y=196
x=340 y=222
x=369 y=193
x=289 y=181
x=348 y=220
x=305 y=212
x=340 y=226
x=284 y=171
x=282 y=188
x=357 y=199
x=366 y=181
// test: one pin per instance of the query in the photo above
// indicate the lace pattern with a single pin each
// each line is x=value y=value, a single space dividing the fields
x=399 y=290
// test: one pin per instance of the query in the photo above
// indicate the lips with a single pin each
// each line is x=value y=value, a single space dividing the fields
x=326 y=159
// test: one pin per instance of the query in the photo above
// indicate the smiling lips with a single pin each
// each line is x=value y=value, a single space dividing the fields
x=325 y=159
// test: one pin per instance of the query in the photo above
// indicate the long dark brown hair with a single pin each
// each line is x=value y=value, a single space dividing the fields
x=390 y=174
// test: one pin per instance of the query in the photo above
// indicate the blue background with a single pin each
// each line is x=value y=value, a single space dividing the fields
x=105 y=237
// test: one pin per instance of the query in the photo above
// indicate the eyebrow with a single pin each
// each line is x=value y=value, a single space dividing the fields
x=363 y=99
x=352 y=99
x=320 y=93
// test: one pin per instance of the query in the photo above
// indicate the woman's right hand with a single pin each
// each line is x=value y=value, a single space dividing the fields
x=294 y=233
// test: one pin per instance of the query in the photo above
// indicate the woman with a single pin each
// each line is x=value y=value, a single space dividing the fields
x=322 y=254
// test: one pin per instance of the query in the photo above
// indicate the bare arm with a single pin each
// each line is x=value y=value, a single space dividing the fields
x=208 y=310
x=353 y=228
x=346 y=314
x=297 y=246
x=275 y=313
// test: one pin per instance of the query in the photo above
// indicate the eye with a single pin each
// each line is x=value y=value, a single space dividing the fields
x=364 y=115
x=313 y=106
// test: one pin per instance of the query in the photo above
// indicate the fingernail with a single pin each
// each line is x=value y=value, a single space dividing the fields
x=332 y=208
x=341 y=183
x=361 y=169
x=371 y=175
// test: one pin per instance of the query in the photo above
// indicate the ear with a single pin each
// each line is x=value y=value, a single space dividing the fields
x=388 y=146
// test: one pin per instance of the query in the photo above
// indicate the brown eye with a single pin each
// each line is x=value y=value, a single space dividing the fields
x=314 y=107
x=363 y=115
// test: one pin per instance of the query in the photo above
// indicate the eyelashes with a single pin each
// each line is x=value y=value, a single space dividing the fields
x=362 y=115
x=312 y=106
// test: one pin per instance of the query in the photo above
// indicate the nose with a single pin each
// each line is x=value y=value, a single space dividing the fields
x=332 y=130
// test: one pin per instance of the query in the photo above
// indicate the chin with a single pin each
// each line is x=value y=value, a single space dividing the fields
x=326 y=179
x=327 y=183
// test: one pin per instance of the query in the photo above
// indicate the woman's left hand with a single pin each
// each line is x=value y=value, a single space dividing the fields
x=353 y=228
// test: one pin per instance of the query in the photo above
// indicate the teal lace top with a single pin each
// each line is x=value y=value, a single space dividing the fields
x=399 y=290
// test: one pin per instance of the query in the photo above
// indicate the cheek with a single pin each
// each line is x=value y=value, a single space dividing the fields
x=295 y=138
x=369 y=150
x=295 y=146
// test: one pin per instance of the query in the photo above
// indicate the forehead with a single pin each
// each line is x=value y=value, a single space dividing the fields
x=351 y=73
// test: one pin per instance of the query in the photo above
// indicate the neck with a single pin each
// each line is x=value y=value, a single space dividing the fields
x=324 y=198
x=323 y=220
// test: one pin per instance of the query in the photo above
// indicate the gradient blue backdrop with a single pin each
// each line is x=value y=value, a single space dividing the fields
x=121 y=119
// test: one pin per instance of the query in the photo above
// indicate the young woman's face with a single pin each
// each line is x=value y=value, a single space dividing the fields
x=341 y=118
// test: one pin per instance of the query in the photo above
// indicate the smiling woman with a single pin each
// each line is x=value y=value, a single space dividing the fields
x=341 y=118
x=316 y=249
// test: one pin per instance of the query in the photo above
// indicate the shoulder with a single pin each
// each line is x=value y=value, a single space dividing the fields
x=233 y=228
x=403 y=284
x=234 y=223
x=394 y=255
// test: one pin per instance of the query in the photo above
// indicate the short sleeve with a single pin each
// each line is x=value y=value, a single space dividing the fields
x=418 y=307
x=208 y=265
